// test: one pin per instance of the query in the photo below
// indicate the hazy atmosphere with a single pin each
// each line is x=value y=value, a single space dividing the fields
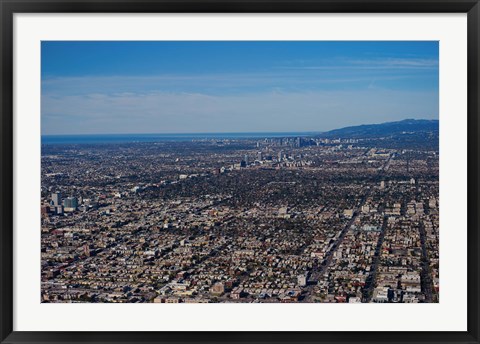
x=192 y=87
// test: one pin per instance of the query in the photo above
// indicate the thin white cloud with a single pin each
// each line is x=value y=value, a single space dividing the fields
x=208 y=84
x=174 y=112
x=366 y=64
x=400 y=63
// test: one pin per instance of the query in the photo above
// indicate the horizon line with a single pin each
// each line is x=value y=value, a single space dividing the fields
x=192 y=133
x=239 y=132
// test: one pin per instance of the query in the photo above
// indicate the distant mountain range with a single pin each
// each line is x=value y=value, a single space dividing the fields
x=407 y=126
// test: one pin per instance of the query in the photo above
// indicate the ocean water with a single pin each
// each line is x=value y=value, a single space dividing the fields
x=130 y=138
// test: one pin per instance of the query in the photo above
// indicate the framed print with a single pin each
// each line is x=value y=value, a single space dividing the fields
x=239 y=171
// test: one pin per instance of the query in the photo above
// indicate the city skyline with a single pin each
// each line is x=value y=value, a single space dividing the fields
x=240 y=172
x=211 y=87
x=353 y=218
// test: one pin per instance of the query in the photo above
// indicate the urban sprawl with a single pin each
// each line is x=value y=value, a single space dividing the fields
x=286 y=219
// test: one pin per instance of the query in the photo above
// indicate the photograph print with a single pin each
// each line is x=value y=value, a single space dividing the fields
x=239 y=172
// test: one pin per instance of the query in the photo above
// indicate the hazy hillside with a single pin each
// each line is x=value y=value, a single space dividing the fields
x=407 y=126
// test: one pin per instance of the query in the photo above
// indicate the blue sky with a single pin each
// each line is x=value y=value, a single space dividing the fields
x=184 y=87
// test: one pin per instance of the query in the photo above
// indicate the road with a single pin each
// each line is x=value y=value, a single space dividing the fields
x=425 y=275
x=372 y=276
x=319 y=270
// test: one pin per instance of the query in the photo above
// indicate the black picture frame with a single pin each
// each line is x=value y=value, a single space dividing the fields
x=10 y=7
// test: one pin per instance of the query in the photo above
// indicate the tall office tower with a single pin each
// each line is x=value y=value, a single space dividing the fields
x=259 y=156
x=280 y=156
x=246 y=159
x=57 y=198
x=59 y=209
x=70 y=204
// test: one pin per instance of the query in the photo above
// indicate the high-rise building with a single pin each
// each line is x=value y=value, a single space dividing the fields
x=259 y=156
x=245 y=158
x=57 y=198
x=298 y=142
x=70 y=204
x=59 y=209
